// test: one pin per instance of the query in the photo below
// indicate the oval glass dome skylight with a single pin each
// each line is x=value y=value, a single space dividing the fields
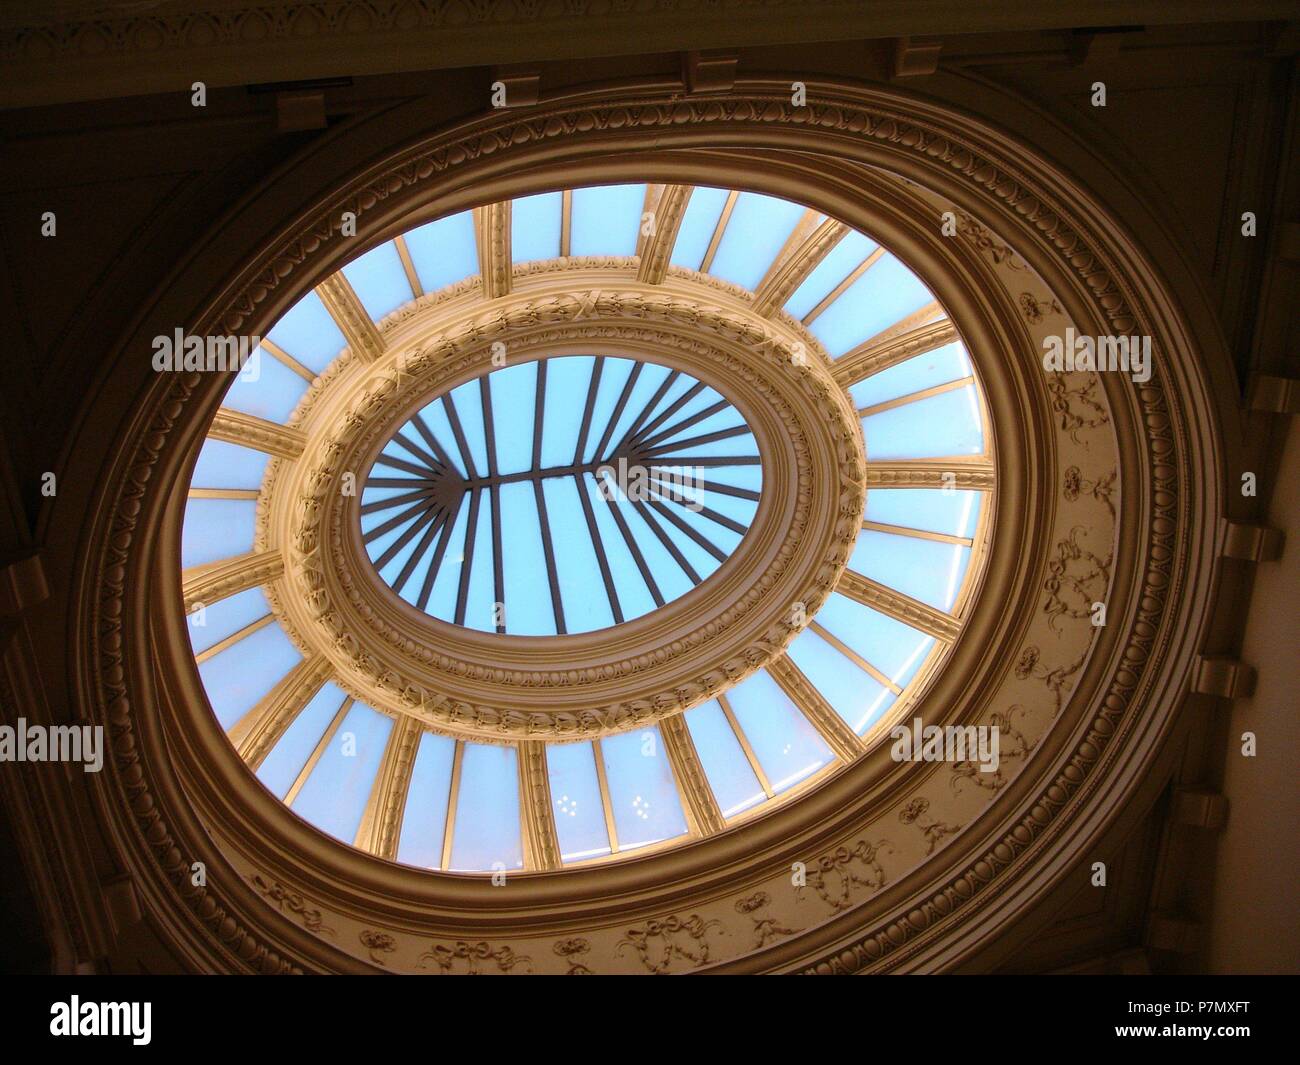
x=562 y=495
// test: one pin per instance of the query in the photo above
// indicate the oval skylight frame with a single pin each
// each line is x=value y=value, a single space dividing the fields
x=746 y=710
x=474 y=516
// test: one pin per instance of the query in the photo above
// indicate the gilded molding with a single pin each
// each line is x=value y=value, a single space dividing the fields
x=492 y=228
x=212 y=583
x=668 y=214
x=541 y=844
x=789 y=275
x=352 y=318
x=236 y=427
x=260 y=729
x=700 y=804
x=874 y=356
x=897 y=605
x=841 y=739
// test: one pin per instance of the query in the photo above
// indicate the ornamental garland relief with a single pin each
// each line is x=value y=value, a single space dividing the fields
x=499 y=689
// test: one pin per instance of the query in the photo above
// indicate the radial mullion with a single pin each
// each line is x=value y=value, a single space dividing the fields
x=671 y=409
x=585 y=428
x=686 y=423
x=400 y=482
x=714 y=460
x=258 y=731
x=422 y=427
x=548 y=550
x=844 y=285
x=710 y=486
x=234 y=638
x=397 y=501
x=637 y=557
x=718 y=230
x=660 y=392
x=696 y=441
x=598 y=545
x=420 y=549
x=498 y=561
x=388 y=792
x=409 y=514
x=489 y=427
x=605 y=802
x=746 y=747
x=395 y=548
x=448 y=531
x=623 y=397
x=418 y=452
x=681 y=523
x=317 y=752
x=471 y=533
x=539 y=413
x=951 y=471
x=853 y=656
x=644 y=513
x=449 y=405
x=401 y=464
x=918 y=534
x=913 y=397
x=710 y=513
x=453 y=797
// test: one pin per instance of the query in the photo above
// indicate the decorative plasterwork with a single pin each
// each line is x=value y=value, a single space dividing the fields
x=894 y=875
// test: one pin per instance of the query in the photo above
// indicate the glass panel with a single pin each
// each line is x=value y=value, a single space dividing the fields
x=535 y=227
x=575 y=800
x=308 y=333
x=514 y=391
x=335 y=795
x=954 y=513
x=785 y=742
x=929 y=571
x=208 y=627
x=216 y=529
x=896 y=649
x=606 y=220
x=237 y=679
x=567 y=382
x=487 y=832
x=641 y=789
x=854 y=694
x=444 y=251
x=379 y=280
x=700 y=220
x=937 y=367
x=842 y=260
x=223 y=465
x=728 y=770
x=528 y=591
x=425 y=816
x=266 y=388
x=946 y=424
x=757 y=230
x=886 y=293
x=282 y=765
x=586 y=607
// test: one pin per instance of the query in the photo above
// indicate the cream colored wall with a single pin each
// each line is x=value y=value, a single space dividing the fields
x=1256 y=921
